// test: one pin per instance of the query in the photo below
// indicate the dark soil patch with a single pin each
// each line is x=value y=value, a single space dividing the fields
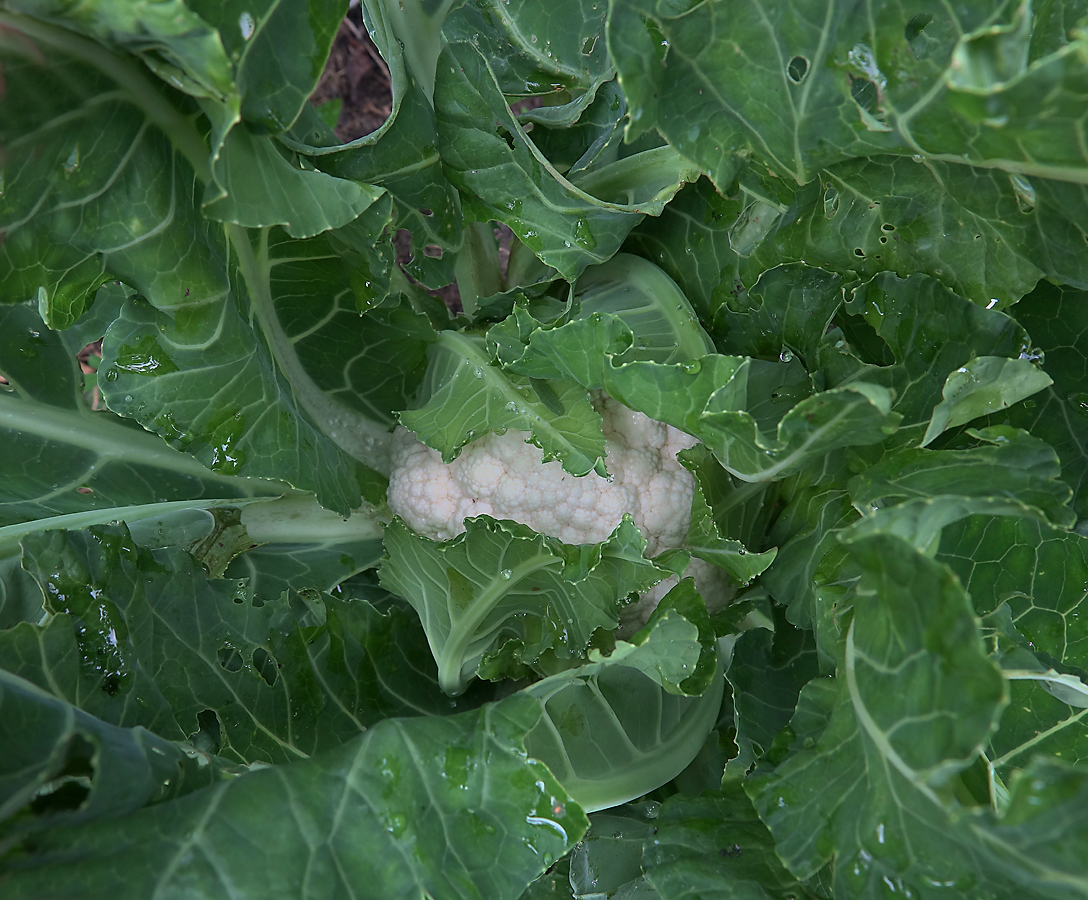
x=358 y=76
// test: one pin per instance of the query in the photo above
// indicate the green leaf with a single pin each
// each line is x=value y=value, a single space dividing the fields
x=767 y=672
x=142 y=637
x=609 y=859
x=262 y=185
x=443 y=807
x=718 y=530
x=648 y=302
x=966 y=228
x=984 y=385
x=713 y=847
x=611 y=732
x=100 y=193
x=502 y=176
x=169 y=38
x=858 y=414
x=804 y=532
x=1030 y=597
x=467 y=396
x=402 y=154
x=60 y=766
x=1009 y=466
x=554 y=884
x=538 y=50
x=913 y=702
x=278 y=53
x=1057 y=319
x=790 y=309
x=830 y=84
x=292 y=543
x=930 y=332
x=670 y=647
x=289 y=416
x=627 y=309
x=69 y=466
x=55 y=445
x=502 y=582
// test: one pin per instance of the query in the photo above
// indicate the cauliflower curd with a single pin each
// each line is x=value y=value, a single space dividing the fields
x=501 y=475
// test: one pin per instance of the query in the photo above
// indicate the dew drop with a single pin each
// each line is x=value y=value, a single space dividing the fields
x=72 y=162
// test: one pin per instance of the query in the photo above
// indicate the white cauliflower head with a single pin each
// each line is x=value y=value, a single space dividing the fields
x=502 y=475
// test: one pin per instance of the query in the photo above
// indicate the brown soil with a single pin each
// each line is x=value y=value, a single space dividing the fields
x=356 y=74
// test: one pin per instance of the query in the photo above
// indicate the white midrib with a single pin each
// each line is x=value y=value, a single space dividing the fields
x=355 y=434
x=98 y=433
x=464 y=631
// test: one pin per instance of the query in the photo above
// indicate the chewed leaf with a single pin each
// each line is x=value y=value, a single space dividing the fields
x=458 y=790
x=827 y=86
x=273 y=686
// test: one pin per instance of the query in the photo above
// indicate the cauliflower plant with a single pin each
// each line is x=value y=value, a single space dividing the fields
x=501 y=475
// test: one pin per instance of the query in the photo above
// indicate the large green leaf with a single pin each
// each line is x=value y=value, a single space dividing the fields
x=720 y=519
x=1057 y=319
x=713 y=847
x=402 y=154
x=931 y=334
x=501 y=585
x=429 y=807
x=879 y=749
x=98 y=178
x=63 y=458
x=293 y=411
x=1027 y=580
x=277 y=51
x=967 y=228
x=609 y=859
x=61 y=766
x=537 y=50
x=767 y=672
x=804 y=531
x=68 y=466
x=258 y=184
x=851 y=79
x=1006 y=462
x=141 y=637
x=611 y=731
x=786 y=312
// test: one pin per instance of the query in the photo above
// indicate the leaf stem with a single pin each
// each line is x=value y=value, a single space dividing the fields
x=358 y=436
